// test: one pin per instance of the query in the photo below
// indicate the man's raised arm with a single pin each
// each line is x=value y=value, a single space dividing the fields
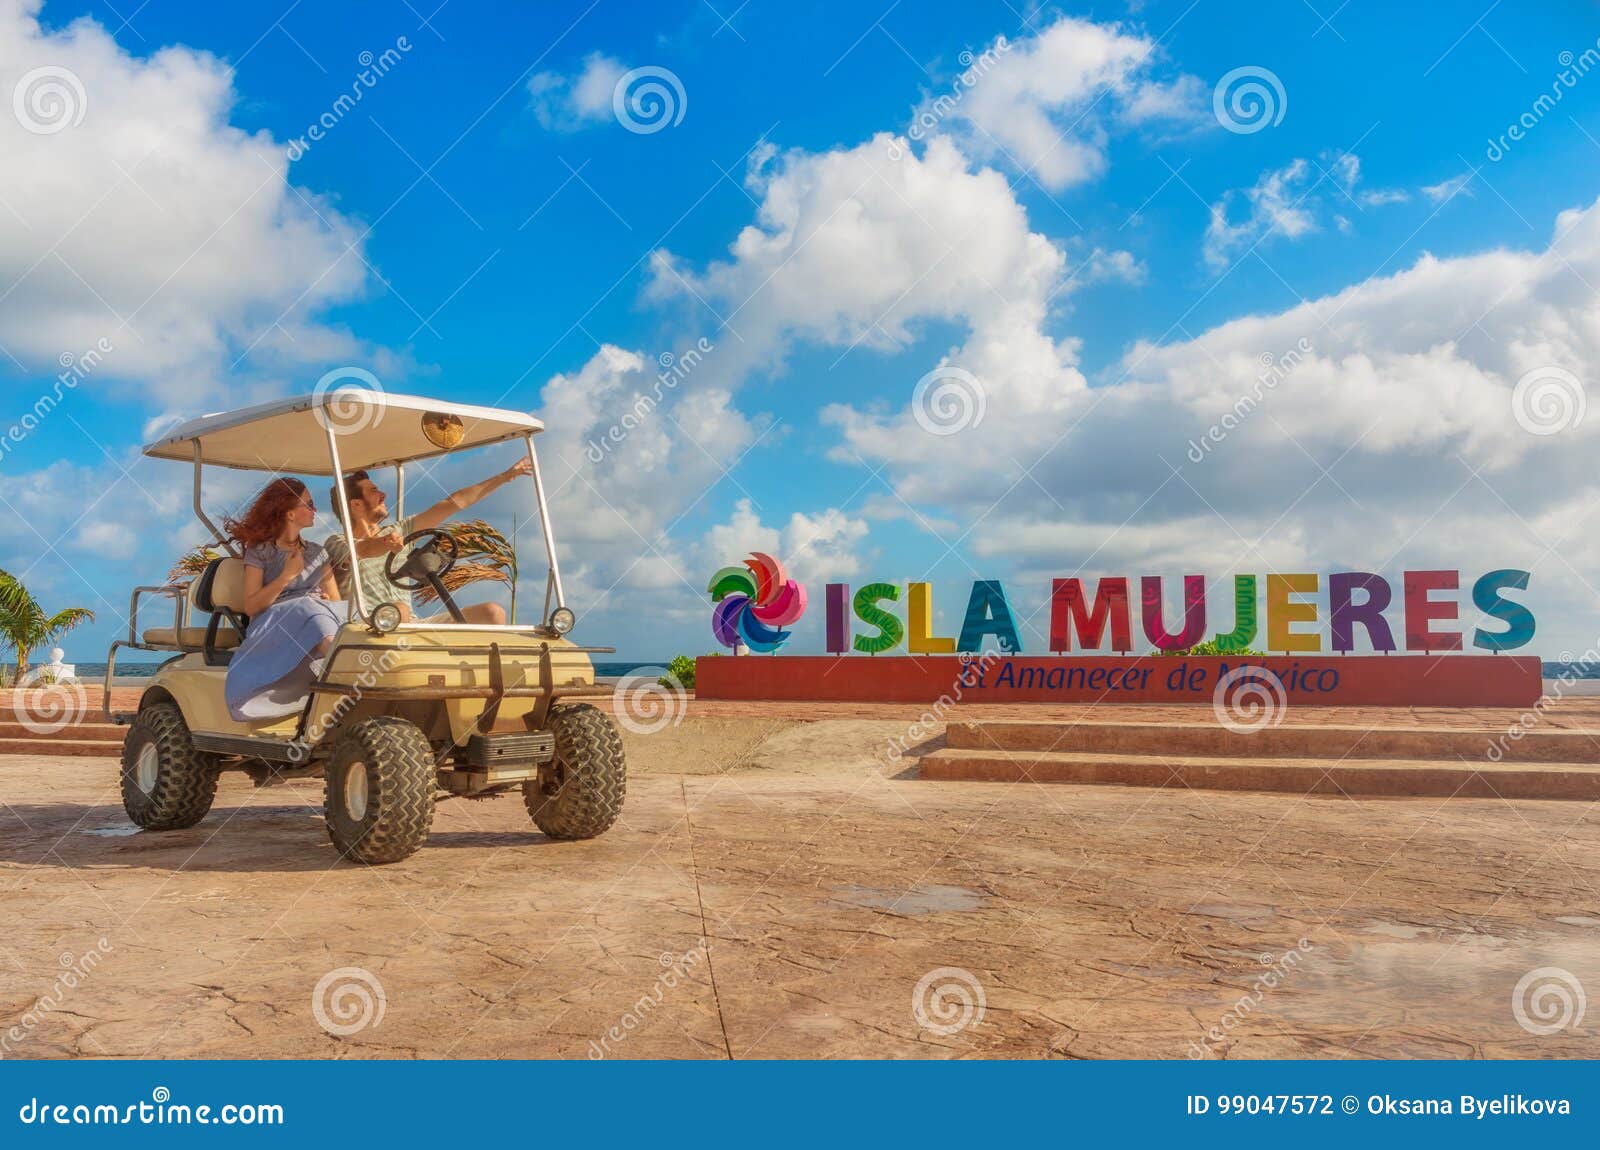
x=459 y=501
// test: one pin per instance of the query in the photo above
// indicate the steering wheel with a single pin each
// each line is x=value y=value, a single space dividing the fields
x=425 y=566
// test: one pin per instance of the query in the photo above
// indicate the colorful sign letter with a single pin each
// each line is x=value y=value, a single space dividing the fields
x=1068 y=612
x=1422 y=612
x=920 y=639
x=868 y=611
x=988 y=614
x=1244 y=616
x=1518 y=619
x=1281 y=612
x=836 y=597
x=1194 y=612
x=1344 y=614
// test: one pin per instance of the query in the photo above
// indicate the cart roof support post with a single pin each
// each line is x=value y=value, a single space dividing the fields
x=216 y=533
x=544 y=525
x=358 y=603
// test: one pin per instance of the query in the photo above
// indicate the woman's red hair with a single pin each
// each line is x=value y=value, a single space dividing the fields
x=263 y=520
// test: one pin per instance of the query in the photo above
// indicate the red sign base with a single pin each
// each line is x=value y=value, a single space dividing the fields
x=1311 y=680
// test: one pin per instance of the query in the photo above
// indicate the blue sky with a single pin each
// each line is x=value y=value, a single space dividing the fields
x=1079 y=235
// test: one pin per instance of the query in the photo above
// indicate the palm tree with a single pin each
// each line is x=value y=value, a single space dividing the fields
x=483 y=555
x=24 y=625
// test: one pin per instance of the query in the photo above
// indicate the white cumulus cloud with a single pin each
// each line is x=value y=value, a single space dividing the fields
x=136 y=213
x=568 y=102
x=1041 y=104
x=814 y=548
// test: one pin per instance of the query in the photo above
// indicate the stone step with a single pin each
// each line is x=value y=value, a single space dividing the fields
x=1535 y=745
x=1392 y=777
x=10 y=729
x=55 y=745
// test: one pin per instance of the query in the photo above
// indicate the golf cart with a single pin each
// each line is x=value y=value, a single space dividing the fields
x=401 y=710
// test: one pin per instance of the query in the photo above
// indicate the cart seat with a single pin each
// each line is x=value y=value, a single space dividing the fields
x=218 y=592
x=189 y=638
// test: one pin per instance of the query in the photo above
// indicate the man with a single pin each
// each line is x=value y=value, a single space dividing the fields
x=369 y=507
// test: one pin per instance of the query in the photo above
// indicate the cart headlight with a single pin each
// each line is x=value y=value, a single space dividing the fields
x=386 y=617
x=562 y=619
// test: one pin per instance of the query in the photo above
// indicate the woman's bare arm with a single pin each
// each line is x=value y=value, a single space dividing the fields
x=259 y=595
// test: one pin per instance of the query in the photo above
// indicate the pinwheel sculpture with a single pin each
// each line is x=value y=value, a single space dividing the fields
x=754 y=603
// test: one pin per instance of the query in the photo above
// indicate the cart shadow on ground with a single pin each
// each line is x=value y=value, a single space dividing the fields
x=245 y=838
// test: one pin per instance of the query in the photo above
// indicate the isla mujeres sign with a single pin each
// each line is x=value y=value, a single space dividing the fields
x=1354 y=599
x=1283 y=614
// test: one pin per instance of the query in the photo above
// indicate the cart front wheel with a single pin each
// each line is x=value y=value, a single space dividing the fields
x=378 y=801
x=581 y=796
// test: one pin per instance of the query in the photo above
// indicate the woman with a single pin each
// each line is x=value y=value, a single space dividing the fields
x=287 y=585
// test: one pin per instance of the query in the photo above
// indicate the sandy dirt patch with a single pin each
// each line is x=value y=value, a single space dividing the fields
x=849 y=748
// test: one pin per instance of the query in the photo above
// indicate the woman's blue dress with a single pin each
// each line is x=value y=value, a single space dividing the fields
x=270 y=675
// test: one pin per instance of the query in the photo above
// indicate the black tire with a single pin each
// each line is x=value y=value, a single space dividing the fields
x=179 y=781
x=588 y=779
x=392 y=815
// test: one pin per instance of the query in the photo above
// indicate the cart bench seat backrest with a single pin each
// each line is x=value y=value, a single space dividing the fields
x=220 y=586
x=219 y=591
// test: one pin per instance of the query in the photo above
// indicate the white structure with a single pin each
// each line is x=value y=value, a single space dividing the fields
x=55 y=670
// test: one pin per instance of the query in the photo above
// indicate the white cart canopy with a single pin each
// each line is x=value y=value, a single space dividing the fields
x=374 y=428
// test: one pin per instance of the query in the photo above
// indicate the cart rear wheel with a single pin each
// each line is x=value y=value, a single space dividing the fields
x=582 y=795
x=167 y=782
x=378 y=800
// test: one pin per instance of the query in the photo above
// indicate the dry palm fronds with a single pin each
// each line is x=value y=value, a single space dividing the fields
x=463 y=574
x=192 y=565
x=483 y=556
x=476 y=540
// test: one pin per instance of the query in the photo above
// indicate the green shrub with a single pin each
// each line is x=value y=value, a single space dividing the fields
x=1210 y=647
x=680 y=672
